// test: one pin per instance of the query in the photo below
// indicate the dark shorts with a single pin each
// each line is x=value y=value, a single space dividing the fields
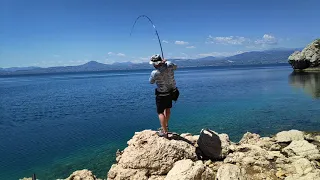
x=163 y=102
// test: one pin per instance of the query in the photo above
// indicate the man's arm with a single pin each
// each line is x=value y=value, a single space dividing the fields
x=151 y=79
x=171 y=64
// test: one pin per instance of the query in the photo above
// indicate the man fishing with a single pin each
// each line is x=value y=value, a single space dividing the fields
x=166 y=90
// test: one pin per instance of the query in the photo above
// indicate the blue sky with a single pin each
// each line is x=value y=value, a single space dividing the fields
x=71 y=32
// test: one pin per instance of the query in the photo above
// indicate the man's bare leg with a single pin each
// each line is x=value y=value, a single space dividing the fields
x=163 y=121
x=167 y=113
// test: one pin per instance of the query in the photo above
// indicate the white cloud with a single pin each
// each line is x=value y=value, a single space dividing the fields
x=234 y=40
x=116 y=54
x=267 y=39
x=121 y=54
x=164 y=41
x=181 y=43
x=220 y=54
x=56 y=55
x=190 y=47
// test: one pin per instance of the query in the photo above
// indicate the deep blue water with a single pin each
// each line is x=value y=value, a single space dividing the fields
x=55 y=124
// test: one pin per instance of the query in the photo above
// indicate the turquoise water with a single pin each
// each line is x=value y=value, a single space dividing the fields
x=52 y=125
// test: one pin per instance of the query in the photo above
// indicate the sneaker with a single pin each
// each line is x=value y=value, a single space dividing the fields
x=161 y=133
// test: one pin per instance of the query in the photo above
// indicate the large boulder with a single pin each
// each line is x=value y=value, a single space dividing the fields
x=302 y=148
x=309 y=57
x=189 y=170
x=149 y=155
x=213 y=145
x=288 y=136
x=230 y=172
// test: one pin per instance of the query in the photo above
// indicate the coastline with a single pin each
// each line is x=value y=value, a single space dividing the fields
x=286 y=155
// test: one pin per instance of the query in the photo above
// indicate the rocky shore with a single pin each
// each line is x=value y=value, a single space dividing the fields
x=289 y=155
x=308 y=59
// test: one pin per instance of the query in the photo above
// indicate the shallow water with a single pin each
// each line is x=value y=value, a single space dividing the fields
x=55 y=124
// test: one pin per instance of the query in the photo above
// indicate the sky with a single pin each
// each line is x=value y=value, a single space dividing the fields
x=71 y=32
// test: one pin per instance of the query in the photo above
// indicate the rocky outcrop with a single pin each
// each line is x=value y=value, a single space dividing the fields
x=289 y=155
x=147 y=154
x=308 y=58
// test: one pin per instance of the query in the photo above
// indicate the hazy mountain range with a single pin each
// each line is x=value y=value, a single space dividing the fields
x=273 y=56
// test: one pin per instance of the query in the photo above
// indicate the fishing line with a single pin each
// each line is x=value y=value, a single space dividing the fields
x=153 y=27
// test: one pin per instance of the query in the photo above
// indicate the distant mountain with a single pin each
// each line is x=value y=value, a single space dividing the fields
x=262 y=57
x=272 y=56
x=208 y=58
x=12 y=69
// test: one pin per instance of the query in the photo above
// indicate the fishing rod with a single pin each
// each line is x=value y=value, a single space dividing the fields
x=153 y=27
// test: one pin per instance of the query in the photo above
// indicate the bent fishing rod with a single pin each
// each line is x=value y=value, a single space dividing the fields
x=153 y=27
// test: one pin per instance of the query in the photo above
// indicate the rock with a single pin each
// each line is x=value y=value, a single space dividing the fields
x=272 y=155
x=148 y=154
x=311 y=137
x=212 y=145
x=190 y=137
x=26 y=178
x=288 y=136
x=157 y=178
x=309 y=57
x=82 y=175
x=275 y=147
x=247 y=154
x=184 y=135
x=280 y=174
x=302 y=148
x=229 y=172
x=302 y=166
x=250 y=138
x=118 y=172
x=188 y=170
x=310 y=176
x=207 y=163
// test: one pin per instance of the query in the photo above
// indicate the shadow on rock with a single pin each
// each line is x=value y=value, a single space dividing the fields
x=177 y=137
x=308 y=81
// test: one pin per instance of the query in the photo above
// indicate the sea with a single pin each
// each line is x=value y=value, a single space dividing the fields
x=54 y=124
